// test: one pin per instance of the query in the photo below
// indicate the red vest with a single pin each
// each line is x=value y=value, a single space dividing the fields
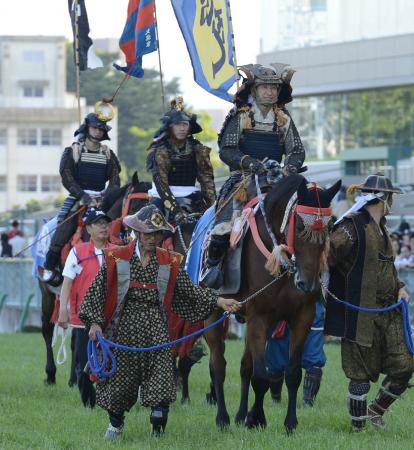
x=85 y=252
x=112 y=255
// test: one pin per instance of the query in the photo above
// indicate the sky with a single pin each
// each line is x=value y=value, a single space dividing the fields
x=107 y=19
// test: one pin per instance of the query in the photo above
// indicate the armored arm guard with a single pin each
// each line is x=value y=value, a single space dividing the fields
x=158 y=164
x=294 y=149
x=114 y=169
x=67 y=172
x=205 y=173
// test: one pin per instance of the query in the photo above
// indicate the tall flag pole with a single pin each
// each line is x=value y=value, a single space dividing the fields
x=207 y=32
x=233 y=45
x=84 y=53
x=77 y=59
x=159 y=60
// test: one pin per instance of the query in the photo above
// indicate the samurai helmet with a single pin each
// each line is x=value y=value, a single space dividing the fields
x=148 y=219
x=92 y=120
x=279 y=74
x=175 y=115
x=378 y=183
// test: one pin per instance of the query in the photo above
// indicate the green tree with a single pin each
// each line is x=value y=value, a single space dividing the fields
x=138 y=102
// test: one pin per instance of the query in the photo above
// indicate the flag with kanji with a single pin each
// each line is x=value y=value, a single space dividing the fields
x=206 y=28
x=139 y=36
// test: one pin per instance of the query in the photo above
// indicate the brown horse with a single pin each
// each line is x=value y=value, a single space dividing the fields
x=112 y=204
x=291 y=297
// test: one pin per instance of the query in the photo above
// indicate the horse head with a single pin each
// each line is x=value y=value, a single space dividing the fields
x=312 y=221
x=301 y=218
x=127 y=199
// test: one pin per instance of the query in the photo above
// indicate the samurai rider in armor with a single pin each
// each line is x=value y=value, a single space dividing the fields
x=176 y=161
x=258 y=127
x=363 y=272
x=85 y=167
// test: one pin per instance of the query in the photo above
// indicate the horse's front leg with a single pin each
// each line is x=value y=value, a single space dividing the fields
x=256 y=340
x=48 y=303
x=184 y=368
x=246 y=370
x=215 y=341
x=293 y=375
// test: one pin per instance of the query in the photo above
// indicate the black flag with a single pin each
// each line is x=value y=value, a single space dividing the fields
x=87 y=57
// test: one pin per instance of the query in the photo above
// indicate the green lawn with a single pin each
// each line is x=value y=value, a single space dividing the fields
x=33 y=416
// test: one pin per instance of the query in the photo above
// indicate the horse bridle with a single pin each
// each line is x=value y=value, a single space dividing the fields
x=129 y=198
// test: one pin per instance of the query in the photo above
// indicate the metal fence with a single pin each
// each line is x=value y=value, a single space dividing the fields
x=20 y=298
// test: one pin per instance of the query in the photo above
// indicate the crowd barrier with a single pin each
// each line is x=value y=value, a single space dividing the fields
x=20 y=298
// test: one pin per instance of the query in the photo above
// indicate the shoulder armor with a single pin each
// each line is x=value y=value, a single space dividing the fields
x=232 y=113
x=76 y=151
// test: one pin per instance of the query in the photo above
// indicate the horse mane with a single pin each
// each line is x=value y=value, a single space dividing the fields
x=112 y=196
x=282 y=191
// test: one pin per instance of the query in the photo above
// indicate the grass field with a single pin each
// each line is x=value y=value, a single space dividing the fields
x=33 y=416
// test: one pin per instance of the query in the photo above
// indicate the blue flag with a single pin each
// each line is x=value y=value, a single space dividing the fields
x=206 y=29
x=138 y=37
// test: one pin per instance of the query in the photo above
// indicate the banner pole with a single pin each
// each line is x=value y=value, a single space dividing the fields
x=77 y=62
x=233 y=46
x=159 y=60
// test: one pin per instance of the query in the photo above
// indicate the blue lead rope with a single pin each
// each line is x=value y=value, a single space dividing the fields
x=108 y=358
x=406 y=317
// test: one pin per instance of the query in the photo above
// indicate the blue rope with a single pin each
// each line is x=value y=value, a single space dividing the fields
x=405 y=312
x=108 y=358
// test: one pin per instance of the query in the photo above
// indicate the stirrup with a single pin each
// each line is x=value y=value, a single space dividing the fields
x=213 y=277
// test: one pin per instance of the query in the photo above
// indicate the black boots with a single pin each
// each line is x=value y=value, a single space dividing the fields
x=311 y=385
x=383 y=400
x=357 y=404
x=158 y=419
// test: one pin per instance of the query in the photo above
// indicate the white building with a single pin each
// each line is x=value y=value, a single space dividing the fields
x=300 y=23
x=37 y=117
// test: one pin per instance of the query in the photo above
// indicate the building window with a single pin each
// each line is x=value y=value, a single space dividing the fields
x=51 y=137
x=3 y=137
x=27 y=183
x=33 y=91
x=50 y=183
x=27 y=136
x=3 y=183
x=33 y=56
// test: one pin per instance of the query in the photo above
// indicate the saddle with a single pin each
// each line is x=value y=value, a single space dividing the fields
x=196 y=259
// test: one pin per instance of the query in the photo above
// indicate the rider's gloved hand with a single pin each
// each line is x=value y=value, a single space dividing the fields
x=256 y=167
x=252 y=164
x=86 y=199
x=180 y=218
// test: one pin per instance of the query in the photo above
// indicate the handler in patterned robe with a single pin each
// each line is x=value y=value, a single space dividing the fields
x=363 y=273
x=258 y=127
x=147 y=281
x=176 y=160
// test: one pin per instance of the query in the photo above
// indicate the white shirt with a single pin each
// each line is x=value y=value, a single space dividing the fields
x=72 y=268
